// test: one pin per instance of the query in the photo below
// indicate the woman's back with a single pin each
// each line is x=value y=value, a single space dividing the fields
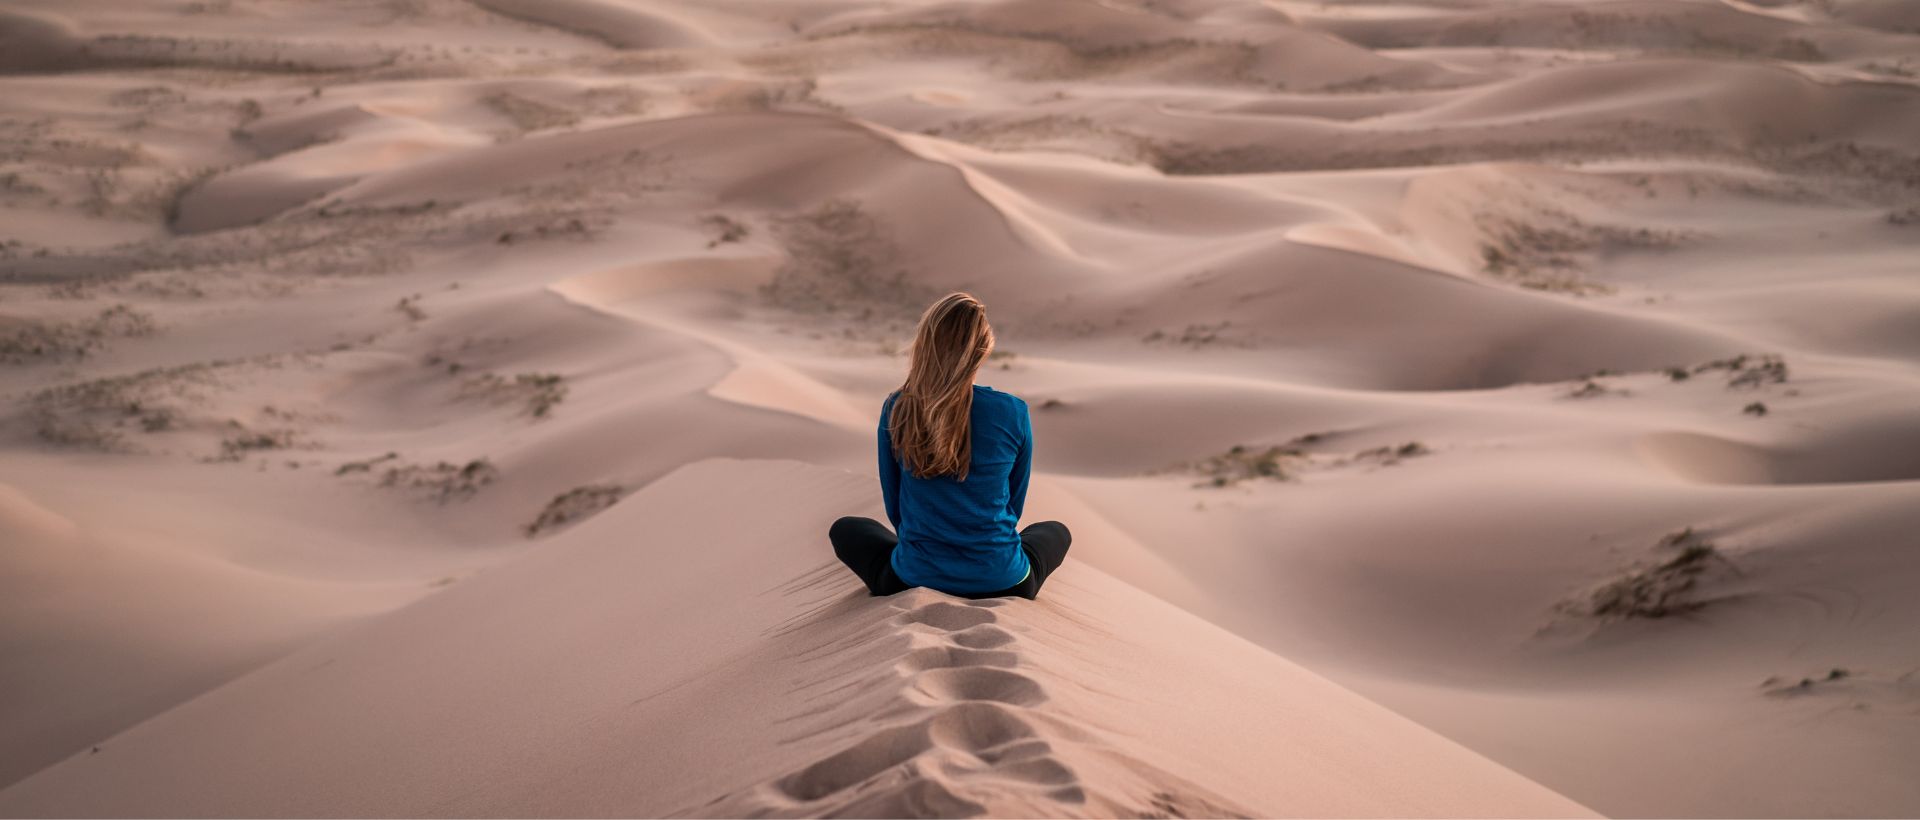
x=954 y=461
x=961 y=535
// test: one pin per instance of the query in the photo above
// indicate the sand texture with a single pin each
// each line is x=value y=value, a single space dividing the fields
x=1462 y=407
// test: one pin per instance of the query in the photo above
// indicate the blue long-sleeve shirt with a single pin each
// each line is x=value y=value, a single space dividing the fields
x=963 y=536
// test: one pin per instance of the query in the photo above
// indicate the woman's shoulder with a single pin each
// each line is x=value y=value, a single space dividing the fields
x=999 y=398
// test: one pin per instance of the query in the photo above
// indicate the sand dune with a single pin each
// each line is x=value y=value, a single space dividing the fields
x=38 y=42
x=435 y=407
x=821 y=699
x=1630 y=24
x=621 y=23
x=78 y=673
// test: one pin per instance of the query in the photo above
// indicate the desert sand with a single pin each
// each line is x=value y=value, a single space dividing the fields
x=1462 y=407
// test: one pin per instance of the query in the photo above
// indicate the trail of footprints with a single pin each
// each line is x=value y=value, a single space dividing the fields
x=935 y=711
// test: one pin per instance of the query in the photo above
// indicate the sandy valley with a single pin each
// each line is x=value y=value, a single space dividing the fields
x=1462 y=407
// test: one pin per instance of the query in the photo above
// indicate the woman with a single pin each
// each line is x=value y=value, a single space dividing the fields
x=954 y=459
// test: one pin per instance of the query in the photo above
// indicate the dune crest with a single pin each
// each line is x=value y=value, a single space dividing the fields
x=966 y=727
x=1543 y=371
x=801 y=698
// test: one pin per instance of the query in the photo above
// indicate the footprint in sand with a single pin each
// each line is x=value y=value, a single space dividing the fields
x=948 y=657
x=966 y=734
x=951 y=719
x=985 y=743
x=979 y=683
x=949 y=617
x=874 y=754
x=983 y=636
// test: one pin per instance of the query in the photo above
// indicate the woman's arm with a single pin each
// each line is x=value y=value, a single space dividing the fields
x=889 y=467
x=1022 y=465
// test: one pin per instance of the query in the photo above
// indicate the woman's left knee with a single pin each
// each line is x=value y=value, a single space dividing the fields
x=843 y=527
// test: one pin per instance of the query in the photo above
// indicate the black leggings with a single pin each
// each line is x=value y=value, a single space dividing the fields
x=866 y=547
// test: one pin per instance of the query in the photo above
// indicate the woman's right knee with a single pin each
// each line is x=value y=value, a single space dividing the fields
x=1056 y=530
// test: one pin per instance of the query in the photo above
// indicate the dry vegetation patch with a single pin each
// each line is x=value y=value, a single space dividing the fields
x=725 y=229
x=1666 y=586
x=1285 y=462
x=538 y=393
x=574 y=505
x=409 y=306
x=1393 y=454
x=1242 y=463
x=1807 y=685
x=840 y=257
x=1552 y=250
x=1053 y=56
x=1074 y=132
x=1744 y=371
x=599 y=182
x=556 y=225
x=1593 y=389
x=35 y=341
x=98 y=414
x=441 y=482
x=527 y=114
x=1201 y=335
x=365 y=465
x=1747 y=370
x=243 y=442
x=317 y=242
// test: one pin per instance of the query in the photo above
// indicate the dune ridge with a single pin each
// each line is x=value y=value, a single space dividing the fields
x=1542 y=372
x=913 y=705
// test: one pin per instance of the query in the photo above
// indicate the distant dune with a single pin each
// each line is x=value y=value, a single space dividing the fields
x=1462 y=407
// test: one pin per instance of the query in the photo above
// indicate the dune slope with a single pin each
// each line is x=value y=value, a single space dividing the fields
x=669 y=659
x=1544 y=371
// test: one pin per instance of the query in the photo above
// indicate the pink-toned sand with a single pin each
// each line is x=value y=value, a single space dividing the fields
x=1464 y=408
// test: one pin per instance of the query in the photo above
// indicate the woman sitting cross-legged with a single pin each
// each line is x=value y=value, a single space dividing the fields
x=954 y=461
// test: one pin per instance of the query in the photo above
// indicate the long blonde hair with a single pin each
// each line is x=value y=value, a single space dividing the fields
x=930 y=425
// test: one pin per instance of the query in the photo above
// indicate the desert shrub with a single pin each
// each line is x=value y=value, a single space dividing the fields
x=445 y=481
x=98 y=413
x=1241 y=463
x=840 y=257
x=1663 y=588
x=1746 y=370
x=1588 y=390
x=538 y=392
x=574 y=505
x=365 y=465
x=41 y=341
x=725 y=229
x=243 y=442
x=1392 y=454
x=527 y=115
